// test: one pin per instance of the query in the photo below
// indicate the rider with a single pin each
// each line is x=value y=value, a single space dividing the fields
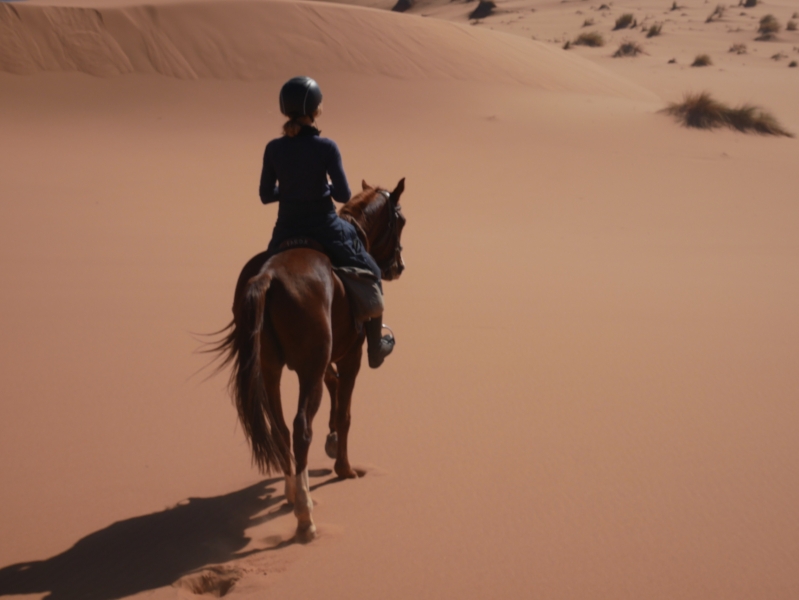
x=300 y=163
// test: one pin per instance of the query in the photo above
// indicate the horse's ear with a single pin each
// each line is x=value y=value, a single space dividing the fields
x=395 y=195
x=365 y=186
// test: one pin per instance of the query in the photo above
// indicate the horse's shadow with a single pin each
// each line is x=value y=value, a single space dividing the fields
x=151 y=551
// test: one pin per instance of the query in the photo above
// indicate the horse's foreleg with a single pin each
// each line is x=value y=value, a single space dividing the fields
x=331 y=381
x=310 y=399
x=348 y=369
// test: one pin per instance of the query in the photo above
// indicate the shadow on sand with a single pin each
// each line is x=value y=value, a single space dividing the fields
x=152 y=551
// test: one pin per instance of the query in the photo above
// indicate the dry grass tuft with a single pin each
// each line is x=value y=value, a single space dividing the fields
x=793 y=63
x=750 y=3
x=769 y=27
x=590 y=38
x=628 y=48
x=654 y=30
x=625 y=21
x=791 y=26
x=702 y=60
x=675 y=6
x=588 y=23
x=716 y=15
x=704 y=112
x=738 y=48
x=484 y=8
x=567 y=45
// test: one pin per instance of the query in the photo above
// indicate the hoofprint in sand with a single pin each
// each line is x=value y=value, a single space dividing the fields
x=593 y=391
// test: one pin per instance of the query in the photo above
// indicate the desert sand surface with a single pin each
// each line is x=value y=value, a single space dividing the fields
x=594 y=390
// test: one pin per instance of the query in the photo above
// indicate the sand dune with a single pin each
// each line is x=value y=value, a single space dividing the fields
x=593 y=394
x=264 y=40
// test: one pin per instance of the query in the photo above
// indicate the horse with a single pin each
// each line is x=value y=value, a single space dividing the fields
x=291 y=310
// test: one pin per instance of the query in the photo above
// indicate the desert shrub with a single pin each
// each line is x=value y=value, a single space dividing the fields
x=793 y=63
x=402 y=5
x=738 y=48
x=769 y=26
x=654 y=30
x=484 y=8
x=779 y=56
x=717 y=14
x=588 y=23
x=628 y=48
x=791 y=26
x=567 y=45
x=624 y=21
x=703 y=111
x=603 y=7
x=750 y=3
x=674 y=6
x=590 y=38
x=702 y=60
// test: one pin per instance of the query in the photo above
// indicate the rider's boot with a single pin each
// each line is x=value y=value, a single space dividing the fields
x=378 y=346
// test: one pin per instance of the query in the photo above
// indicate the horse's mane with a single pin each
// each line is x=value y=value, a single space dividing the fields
x=362 y=211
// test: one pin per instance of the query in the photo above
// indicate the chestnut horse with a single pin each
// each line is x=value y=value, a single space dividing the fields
x=292 y=310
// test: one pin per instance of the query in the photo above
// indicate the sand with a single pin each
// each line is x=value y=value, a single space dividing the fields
x=593 y=393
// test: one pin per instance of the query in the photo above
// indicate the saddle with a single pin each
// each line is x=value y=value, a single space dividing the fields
x=363 y=291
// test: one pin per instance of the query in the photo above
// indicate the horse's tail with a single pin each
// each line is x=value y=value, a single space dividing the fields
x=242 y=348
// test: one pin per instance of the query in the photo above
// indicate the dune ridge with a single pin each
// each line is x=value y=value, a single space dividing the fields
x=274 y=39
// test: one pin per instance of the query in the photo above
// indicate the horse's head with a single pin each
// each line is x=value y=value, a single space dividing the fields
x=377 y=215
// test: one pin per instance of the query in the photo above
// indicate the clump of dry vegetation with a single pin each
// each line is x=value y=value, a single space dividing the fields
x=484 y=8
x=792 y=64
x=702 y=60
x=588 y=23
x=625 y=21
x=716 y=15
x=704 y=112
x=402 y=5
x=628 y=48
x=748 y=3
x=590 y=38
x=791 y=26
x=769 y=27
x=738 y=48
x=675 y=6
x=654 y=30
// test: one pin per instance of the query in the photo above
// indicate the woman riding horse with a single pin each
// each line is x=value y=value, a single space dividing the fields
x=295 y=174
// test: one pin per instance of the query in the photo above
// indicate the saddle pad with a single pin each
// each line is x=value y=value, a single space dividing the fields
x=365 y=296
x=300 y=242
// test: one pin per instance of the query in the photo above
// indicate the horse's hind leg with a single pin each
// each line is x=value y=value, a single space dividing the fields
x=311 y=389
x=272 y=383
x=331 y=381
x=348 y=369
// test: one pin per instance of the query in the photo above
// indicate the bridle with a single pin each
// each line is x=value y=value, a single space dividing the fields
x=388 y=232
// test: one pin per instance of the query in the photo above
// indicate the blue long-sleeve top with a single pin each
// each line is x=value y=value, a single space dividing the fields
x=295 y=174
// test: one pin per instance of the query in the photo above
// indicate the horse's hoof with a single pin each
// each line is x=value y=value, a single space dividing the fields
x=346 y=472
x=331 y=444
x=306 y=532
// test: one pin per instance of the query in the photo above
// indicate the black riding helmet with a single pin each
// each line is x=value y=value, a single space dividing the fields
x=300 y=97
